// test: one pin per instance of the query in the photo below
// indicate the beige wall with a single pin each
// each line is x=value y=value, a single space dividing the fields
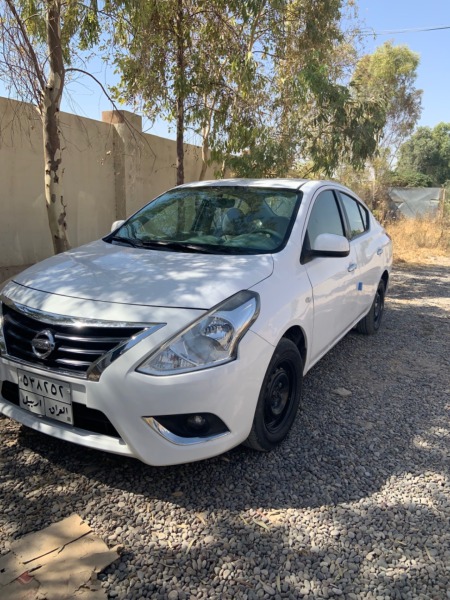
x=110 y=170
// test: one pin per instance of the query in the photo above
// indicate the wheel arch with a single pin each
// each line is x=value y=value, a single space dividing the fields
x=298 y=337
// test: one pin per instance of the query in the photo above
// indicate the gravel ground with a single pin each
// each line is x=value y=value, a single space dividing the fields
x=356 y=502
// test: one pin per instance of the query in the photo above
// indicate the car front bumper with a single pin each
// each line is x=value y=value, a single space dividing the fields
x=129 y=399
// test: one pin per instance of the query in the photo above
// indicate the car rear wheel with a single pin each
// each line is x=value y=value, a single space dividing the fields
x=279 y=398
x=372 y=321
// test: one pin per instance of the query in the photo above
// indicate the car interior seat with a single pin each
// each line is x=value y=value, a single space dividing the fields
x=233 y=222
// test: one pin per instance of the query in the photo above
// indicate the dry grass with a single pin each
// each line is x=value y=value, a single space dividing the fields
x=420 y=240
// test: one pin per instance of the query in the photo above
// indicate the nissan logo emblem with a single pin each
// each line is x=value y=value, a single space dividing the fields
x=43 y=343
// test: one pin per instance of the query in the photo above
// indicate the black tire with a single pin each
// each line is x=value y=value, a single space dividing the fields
x=279 y=398
x=372 y=321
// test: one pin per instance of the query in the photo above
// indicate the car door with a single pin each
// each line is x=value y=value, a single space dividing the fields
x=364 y=244
x=332 y=279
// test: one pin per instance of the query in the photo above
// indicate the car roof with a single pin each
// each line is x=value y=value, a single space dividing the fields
x=284 y=183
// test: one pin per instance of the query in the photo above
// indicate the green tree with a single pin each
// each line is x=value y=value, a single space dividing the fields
x=242 y=74
x=39 y=41
x=159 y=57
x=194 y=63
x=388 y=76
x=427 y=153
x=306 y=120
x=407 y=177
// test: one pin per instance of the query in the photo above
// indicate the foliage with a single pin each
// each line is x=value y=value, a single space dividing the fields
x=344 y=129
x=257 y=79
x=388 y=76
x=445 y=208
x=39 y=38
x=312 y=121
x=408 y=178
x=373 y=191
x=427 y=152
x=175 y=59
x=24 y=55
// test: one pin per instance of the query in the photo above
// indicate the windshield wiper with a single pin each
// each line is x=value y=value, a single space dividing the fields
x=129 y=241
x=180 y=246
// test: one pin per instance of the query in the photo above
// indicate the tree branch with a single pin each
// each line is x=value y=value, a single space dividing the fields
x=99 y=83
x=114 y=105
x=29 y=45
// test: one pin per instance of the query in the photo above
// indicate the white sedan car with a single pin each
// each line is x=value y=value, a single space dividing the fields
x=188 y=329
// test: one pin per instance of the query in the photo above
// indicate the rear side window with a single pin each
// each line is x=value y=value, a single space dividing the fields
x=357 y=215
x=324 y=218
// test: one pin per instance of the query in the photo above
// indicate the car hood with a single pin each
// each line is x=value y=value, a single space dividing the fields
x=116 y=274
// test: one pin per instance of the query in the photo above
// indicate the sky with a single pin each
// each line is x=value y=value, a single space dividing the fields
x=378 y=16
x=433 y=47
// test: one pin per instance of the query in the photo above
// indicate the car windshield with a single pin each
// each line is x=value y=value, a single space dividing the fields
x=217 y=220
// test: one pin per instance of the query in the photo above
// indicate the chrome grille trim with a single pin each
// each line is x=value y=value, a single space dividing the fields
x=81 y=350
x=95 y=371
x=73 y=363
x=93 y=340
x=84 y=357
x=56 y=319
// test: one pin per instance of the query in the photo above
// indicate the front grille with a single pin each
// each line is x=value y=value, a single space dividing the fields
x=85 y=418
x=76 y=347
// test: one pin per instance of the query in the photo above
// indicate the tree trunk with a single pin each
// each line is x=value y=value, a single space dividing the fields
x=49 y=109
x=206 y=129
x=180 y=141
x=205 y=148
x=180 y=94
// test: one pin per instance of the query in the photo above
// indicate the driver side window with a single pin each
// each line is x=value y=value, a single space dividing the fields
x=325 y=217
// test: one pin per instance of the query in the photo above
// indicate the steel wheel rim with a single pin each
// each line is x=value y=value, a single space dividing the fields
x=378 y=308
x=278 y=396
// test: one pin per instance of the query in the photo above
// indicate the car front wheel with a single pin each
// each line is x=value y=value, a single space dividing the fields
x=279 y=398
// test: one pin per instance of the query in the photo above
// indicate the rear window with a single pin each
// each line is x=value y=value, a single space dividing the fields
x=357 y=215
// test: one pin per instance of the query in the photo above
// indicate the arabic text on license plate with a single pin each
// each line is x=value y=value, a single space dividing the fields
x=45 y=396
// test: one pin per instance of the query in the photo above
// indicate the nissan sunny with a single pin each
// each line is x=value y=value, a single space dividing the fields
x=188 y=329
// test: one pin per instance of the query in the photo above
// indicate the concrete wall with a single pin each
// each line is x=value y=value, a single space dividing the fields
x=110 y=170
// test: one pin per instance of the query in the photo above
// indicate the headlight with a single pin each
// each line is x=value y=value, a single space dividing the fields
x=211 y=340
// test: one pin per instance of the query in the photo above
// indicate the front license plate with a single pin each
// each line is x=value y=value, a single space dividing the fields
x=45 y=396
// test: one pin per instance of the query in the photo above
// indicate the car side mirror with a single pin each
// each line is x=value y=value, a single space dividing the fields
x=329 y=244
x=117 y=224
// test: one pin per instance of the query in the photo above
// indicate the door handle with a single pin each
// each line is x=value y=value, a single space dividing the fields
x=351 y=267
x=380 y=251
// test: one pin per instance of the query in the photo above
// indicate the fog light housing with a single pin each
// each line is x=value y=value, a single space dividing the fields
x=190 y=428
x=197 y=423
